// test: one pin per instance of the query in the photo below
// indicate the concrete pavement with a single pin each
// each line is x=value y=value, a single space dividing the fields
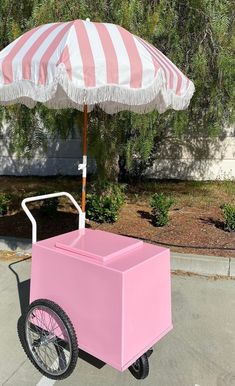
x=199 y=351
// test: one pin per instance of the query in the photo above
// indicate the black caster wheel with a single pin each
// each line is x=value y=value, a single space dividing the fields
x=149 y=352
x=140 y=368
x=49 y=339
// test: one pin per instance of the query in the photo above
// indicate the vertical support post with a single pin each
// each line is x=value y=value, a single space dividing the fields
x=84 y=163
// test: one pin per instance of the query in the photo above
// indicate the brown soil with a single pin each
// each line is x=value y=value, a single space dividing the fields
x=195 y=220
x=189 y=227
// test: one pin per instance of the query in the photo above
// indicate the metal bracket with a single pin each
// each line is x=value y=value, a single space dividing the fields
x=83 y=166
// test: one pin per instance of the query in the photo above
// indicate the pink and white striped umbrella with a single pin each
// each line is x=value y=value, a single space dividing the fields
x=81 y=63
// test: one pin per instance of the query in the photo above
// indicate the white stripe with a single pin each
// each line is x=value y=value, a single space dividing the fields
x=75 y=58
x=7 y=49
x=56 y=56
x=46 y=382
x=98 y=54
x=147 y=64
x=4 y=53
x=183 y=84
x=17 y=61
x=124 y=72
x=41 y=50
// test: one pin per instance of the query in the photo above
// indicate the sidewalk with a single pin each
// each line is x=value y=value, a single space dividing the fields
x=200 y=349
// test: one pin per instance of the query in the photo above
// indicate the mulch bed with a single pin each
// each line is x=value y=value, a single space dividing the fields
x=195 y=220
x=189 y=227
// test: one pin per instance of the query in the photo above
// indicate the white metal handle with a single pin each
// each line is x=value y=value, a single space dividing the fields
x=81 y=223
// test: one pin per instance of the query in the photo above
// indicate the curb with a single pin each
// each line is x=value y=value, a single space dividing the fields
x=198 y=264
x=202 y=264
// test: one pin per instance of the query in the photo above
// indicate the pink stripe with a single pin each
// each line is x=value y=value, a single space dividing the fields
x=134 y=57
x=154 y=60
x=86 y=54
x=174 y=68
x=153 y=51
x=43 y=67
x=7 y=64
x=27 y=60
x=65 y=58
x=110 y=53
x=168 y=64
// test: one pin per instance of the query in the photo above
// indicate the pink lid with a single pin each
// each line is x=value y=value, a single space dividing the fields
x=97 y=244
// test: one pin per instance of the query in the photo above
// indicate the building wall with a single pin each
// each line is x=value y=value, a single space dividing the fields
x=62 y=158
x=200 y=159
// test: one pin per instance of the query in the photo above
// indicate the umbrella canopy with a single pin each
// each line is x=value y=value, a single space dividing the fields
x=81 y=63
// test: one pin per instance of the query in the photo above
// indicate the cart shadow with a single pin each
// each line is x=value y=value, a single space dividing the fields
x=23 y=289
x=91 y=360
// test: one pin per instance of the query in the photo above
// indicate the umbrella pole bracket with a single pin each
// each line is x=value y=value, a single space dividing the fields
x=83 y=166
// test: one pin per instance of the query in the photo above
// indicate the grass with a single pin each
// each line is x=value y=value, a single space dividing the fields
x=185 y=193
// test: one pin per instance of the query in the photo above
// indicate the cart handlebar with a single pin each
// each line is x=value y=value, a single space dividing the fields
x=81 y=223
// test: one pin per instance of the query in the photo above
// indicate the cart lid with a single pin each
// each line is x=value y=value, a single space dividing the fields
x=96 y=244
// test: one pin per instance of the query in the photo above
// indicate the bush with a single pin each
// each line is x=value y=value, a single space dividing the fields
x=229 y=216
x=160 y=204
x=104 y=203
x=5 y=200
x=48 y=206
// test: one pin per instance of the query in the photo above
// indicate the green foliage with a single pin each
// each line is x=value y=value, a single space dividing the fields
x=229 y=216
x=14 y=16
x=160 y=204
x=5 y=200
x=197 y=35
x=104 y=203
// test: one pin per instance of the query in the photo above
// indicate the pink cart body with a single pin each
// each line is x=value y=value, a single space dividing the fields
x=116 y=291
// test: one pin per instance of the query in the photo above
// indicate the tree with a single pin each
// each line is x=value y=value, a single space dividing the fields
x=197 y=35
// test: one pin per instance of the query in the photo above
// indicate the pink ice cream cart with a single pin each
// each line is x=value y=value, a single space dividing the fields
x=106 y=294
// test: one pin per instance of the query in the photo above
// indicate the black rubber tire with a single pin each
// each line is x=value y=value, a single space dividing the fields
x=140 y=368
x=149 y=352
x=65 y=319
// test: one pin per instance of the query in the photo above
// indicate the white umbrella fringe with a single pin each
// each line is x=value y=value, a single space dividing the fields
x=62 y=93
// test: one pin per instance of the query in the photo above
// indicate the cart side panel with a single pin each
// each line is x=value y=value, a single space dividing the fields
x=89 y=293
x=146 y=305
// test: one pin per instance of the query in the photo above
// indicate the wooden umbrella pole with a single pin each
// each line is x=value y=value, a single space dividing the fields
x=84 y=169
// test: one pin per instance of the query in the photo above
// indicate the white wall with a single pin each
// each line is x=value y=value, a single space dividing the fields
x=199 y=159
x=62 y=157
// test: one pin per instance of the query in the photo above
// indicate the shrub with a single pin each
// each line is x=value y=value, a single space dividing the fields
x=160 y=204
x=229 y=216
x=48 y=206
x=104 y=203
x=5 y=200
